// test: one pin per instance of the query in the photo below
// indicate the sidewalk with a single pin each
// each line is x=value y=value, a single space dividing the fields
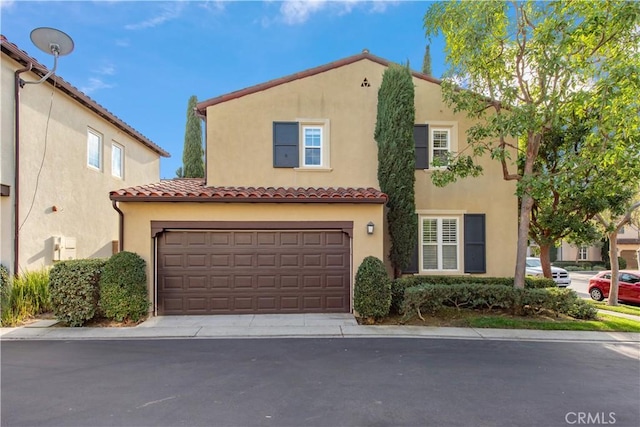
x=294 y=326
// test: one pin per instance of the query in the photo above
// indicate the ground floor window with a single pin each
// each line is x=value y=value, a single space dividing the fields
x=582 y=253
x=440 y=243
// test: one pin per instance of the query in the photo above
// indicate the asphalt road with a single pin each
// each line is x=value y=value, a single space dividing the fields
x=318 y=382
x=580 y=282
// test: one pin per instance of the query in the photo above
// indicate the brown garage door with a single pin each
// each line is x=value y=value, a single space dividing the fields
x=253 y=271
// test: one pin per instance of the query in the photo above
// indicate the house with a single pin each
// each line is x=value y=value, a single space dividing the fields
x=628 y=248
x=71 y=152
x=290 y=205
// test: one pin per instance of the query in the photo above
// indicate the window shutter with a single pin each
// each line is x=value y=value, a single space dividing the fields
x=421 y=139
x=413 y=267
x=474 y=244
x=285 y=144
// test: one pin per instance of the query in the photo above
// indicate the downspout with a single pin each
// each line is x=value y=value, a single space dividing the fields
x=114 y=203
x=16 y=186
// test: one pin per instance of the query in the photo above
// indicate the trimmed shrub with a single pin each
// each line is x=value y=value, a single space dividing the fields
x=73 y=286
x=398 y=286
x=372 y=291
x=622 y=263
x=430 y=298
x=123 y=288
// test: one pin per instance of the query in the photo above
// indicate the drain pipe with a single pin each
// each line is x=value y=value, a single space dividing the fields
x=114 y=203
x=16 y=186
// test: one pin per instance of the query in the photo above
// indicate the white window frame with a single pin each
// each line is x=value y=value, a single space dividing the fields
x=583 y=253
x=439 y=243
x=305 y=158
x=451 y=127
x=92 y=133
x=114 y=172
x=325 y=144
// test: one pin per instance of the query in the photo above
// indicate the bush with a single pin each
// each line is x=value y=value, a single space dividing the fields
x=430 y=298
x=398 y=286
x=622 y=263
x=372 y=291
x=123 y=288
x=24 y=296
x=74 y=290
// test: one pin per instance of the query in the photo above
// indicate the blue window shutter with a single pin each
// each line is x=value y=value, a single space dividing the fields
x=285 y=144
x=475 y=258
x=421 y=139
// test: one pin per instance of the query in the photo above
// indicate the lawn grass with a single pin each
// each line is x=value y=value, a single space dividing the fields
x=604 y=323
x=449 y=316
x=622 y=308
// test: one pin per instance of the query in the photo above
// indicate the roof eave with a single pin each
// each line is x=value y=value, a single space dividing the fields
x=193 y=199
x=201 y=107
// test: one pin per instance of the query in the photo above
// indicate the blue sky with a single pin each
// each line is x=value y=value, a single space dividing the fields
x=143 y=60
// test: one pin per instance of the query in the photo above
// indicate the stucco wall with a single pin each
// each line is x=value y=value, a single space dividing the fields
x=240 y=149
x=138 y=217
x=54 y=172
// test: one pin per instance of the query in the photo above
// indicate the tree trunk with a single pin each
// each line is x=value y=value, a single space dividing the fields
x=613 y=258
x=545 y=260
x=523 y=237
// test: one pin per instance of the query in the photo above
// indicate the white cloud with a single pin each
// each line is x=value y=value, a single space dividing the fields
x=213 y=5
x=294 y=12
x=6 y=4
x=95 y=84
x=106 y=70
x=169 y=12
x=123 y=42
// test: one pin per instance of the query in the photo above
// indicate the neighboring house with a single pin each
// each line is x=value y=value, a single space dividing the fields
x=72 y=152
x=291 y=205
x=628 y=248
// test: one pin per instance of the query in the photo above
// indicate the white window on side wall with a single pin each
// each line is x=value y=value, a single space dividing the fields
x=441 y=143
x=117 y=160
x=440 y=243
x=94 y=149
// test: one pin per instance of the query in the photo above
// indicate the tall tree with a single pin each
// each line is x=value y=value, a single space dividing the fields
x=583 y=180
x=396 y=161
x=193 y=153
x=612 y=222
x=521 y=64
x=426 y=62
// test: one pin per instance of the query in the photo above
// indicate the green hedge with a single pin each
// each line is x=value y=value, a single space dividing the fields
x=398 y=286
x=372 y=290
x=123 y=288
x=429 y=298
x=74 y=290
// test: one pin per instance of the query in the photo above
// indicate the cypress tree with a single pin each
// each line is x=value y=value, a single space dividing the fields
x=426 y=62
x=396 y=161
x=193 y=153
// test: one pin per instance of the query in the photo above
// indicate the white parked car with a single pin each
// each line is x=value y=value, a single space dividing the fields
x=560 y=275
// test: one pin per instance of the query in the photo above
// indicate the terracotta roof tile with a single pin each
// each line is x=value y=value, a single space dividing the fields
x=194 y=190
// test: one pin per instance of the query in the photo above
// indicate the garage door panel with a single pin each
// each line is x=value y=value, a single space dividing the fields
x=256 y=271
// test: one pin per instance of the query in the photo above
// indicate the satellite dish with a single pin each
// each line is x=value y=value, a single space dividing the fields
x=52 y=41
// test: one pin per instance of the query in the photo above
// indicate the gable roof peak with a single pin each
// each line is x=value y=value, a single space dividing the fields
x=201 y=107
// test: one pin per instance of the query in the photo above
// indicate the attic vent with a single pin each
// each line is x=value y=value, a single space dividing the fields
x=365 y=83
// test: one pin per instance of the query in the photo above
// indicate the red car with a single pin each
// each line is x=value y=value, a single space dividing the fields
x=628 y=285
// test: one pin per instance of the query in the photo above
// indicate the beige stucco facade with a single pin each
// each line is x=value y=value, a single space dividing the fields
x=60 y=194
x=628 y=248
x=240 y=151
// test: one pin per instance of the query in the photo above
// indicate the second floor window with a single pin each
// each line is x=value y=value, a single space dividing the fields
x=312 y=145
x=94 y=150
x=117 y=161
x=441 y=143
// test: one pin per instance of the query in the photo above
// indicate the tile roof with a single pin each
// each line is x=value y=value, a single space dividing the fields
x=23 y=58
x=201 y=107
x=194 y=190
